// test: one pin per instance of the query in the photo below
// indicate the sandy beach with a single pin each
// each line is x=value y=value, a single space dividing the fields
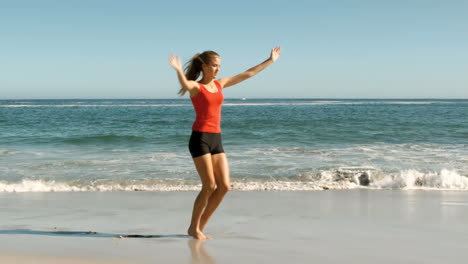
x=357 y=226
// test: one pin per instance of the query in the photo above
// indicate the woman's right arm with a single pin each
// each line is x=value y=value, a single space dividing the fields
x=188 y=85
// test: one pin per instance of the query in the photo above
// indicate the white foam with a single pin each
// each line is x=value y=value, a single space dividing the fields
x=343 y=178
x=152 y=185
x=277 y=186
x=410 y=102
x=35 y=186
x=7 y=152
x=369 y=177
x=414 y=179
x=106 y=186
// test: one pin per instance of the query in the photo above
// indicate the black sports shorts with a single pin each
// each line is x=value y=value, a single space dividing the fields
x=202 y=143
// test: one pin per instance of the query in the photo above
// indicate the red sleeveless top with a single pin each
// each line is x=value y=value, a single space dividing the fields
x=207 y=107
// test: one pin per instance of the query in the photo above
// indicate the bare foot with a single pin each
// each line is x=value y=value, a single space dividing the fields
x=197 y=234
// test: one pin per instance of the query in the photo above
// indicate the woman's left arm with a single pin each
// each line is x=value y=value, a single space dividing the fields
x=230 y=81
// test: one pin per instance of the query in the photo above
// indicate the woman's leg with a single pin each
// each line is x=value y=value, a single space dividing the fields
x=223 y=185
x=204 y=167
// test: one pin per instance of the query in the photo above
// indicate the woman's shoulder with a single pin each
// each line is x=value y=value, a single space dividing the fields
x=218 y=84
x=200 y=86
x=197 y=90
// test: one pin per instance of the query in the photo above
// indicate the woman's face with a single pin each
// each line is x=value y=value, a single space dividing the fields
x=212 y=68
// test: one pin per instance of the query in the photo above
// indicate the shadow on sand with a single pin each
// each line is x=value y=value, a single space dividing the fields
x=197 y=249
x=83 y=234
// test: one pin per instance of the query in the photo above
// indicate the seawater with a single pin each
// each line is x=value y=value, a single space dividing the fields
x=271 y=144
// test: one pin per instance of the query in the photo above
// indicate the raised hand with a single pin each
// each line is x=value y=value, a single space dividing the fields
x=275 y=53
x=174 y=61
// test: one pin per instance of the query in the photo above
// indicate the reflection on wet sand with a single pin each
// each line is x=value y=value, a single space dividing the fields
x=199 y=253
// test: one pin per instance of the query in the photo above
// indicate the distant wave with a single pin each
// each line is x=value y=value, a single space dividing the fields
x=343 y=178
x=104 y=139
x=242 y=103
x=173 y=105
x=286 y=103
x=6 y=152
x=98 y=105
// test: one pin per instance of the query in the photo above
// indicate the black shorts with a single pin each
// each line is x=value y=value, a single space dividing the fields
x=202 y=143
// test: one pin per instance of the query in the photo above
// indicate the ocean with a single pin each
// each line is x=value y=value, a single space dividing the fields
x=271 y=144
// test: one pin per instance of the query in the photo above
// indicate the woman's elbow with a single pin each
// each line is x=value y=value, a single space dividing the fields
x=249 y=74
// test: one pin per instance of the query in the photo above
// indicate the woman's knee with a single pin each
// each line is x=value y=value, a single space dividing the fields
x=224 y=187
x=208 y=188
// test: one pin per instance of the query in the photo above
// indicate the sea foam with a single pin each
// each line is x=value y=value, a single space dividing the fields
x=414 y=179
x=341 y=179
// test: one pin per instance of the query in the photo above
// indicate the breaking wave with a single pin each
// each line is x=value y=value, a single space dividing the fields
x=339 y=179
x=105 y=139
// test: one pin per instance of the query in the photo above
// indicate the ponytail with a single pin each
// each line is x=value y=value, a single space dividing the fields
x=193 y=67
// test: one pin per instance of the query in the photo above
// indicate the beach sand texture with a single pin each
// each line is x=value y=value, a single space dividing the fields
x=353 y=226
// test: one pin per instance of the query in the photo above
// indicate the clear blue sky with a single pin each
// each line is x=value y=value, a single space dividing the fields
x=331 y=49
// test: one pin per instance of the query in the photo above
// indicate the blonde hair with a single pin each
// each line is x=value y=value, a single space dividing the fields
x=193 y=67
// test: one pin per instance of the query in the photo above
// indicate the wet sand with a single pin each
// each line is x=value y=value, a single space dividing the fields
x=356 y=226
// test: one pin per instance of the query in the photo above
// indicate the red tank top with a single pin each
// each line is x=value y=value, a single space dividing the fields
x=207 y=107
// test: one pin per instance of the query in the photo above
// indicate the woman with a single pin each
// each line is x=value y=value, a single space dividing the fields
x=205 y=142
